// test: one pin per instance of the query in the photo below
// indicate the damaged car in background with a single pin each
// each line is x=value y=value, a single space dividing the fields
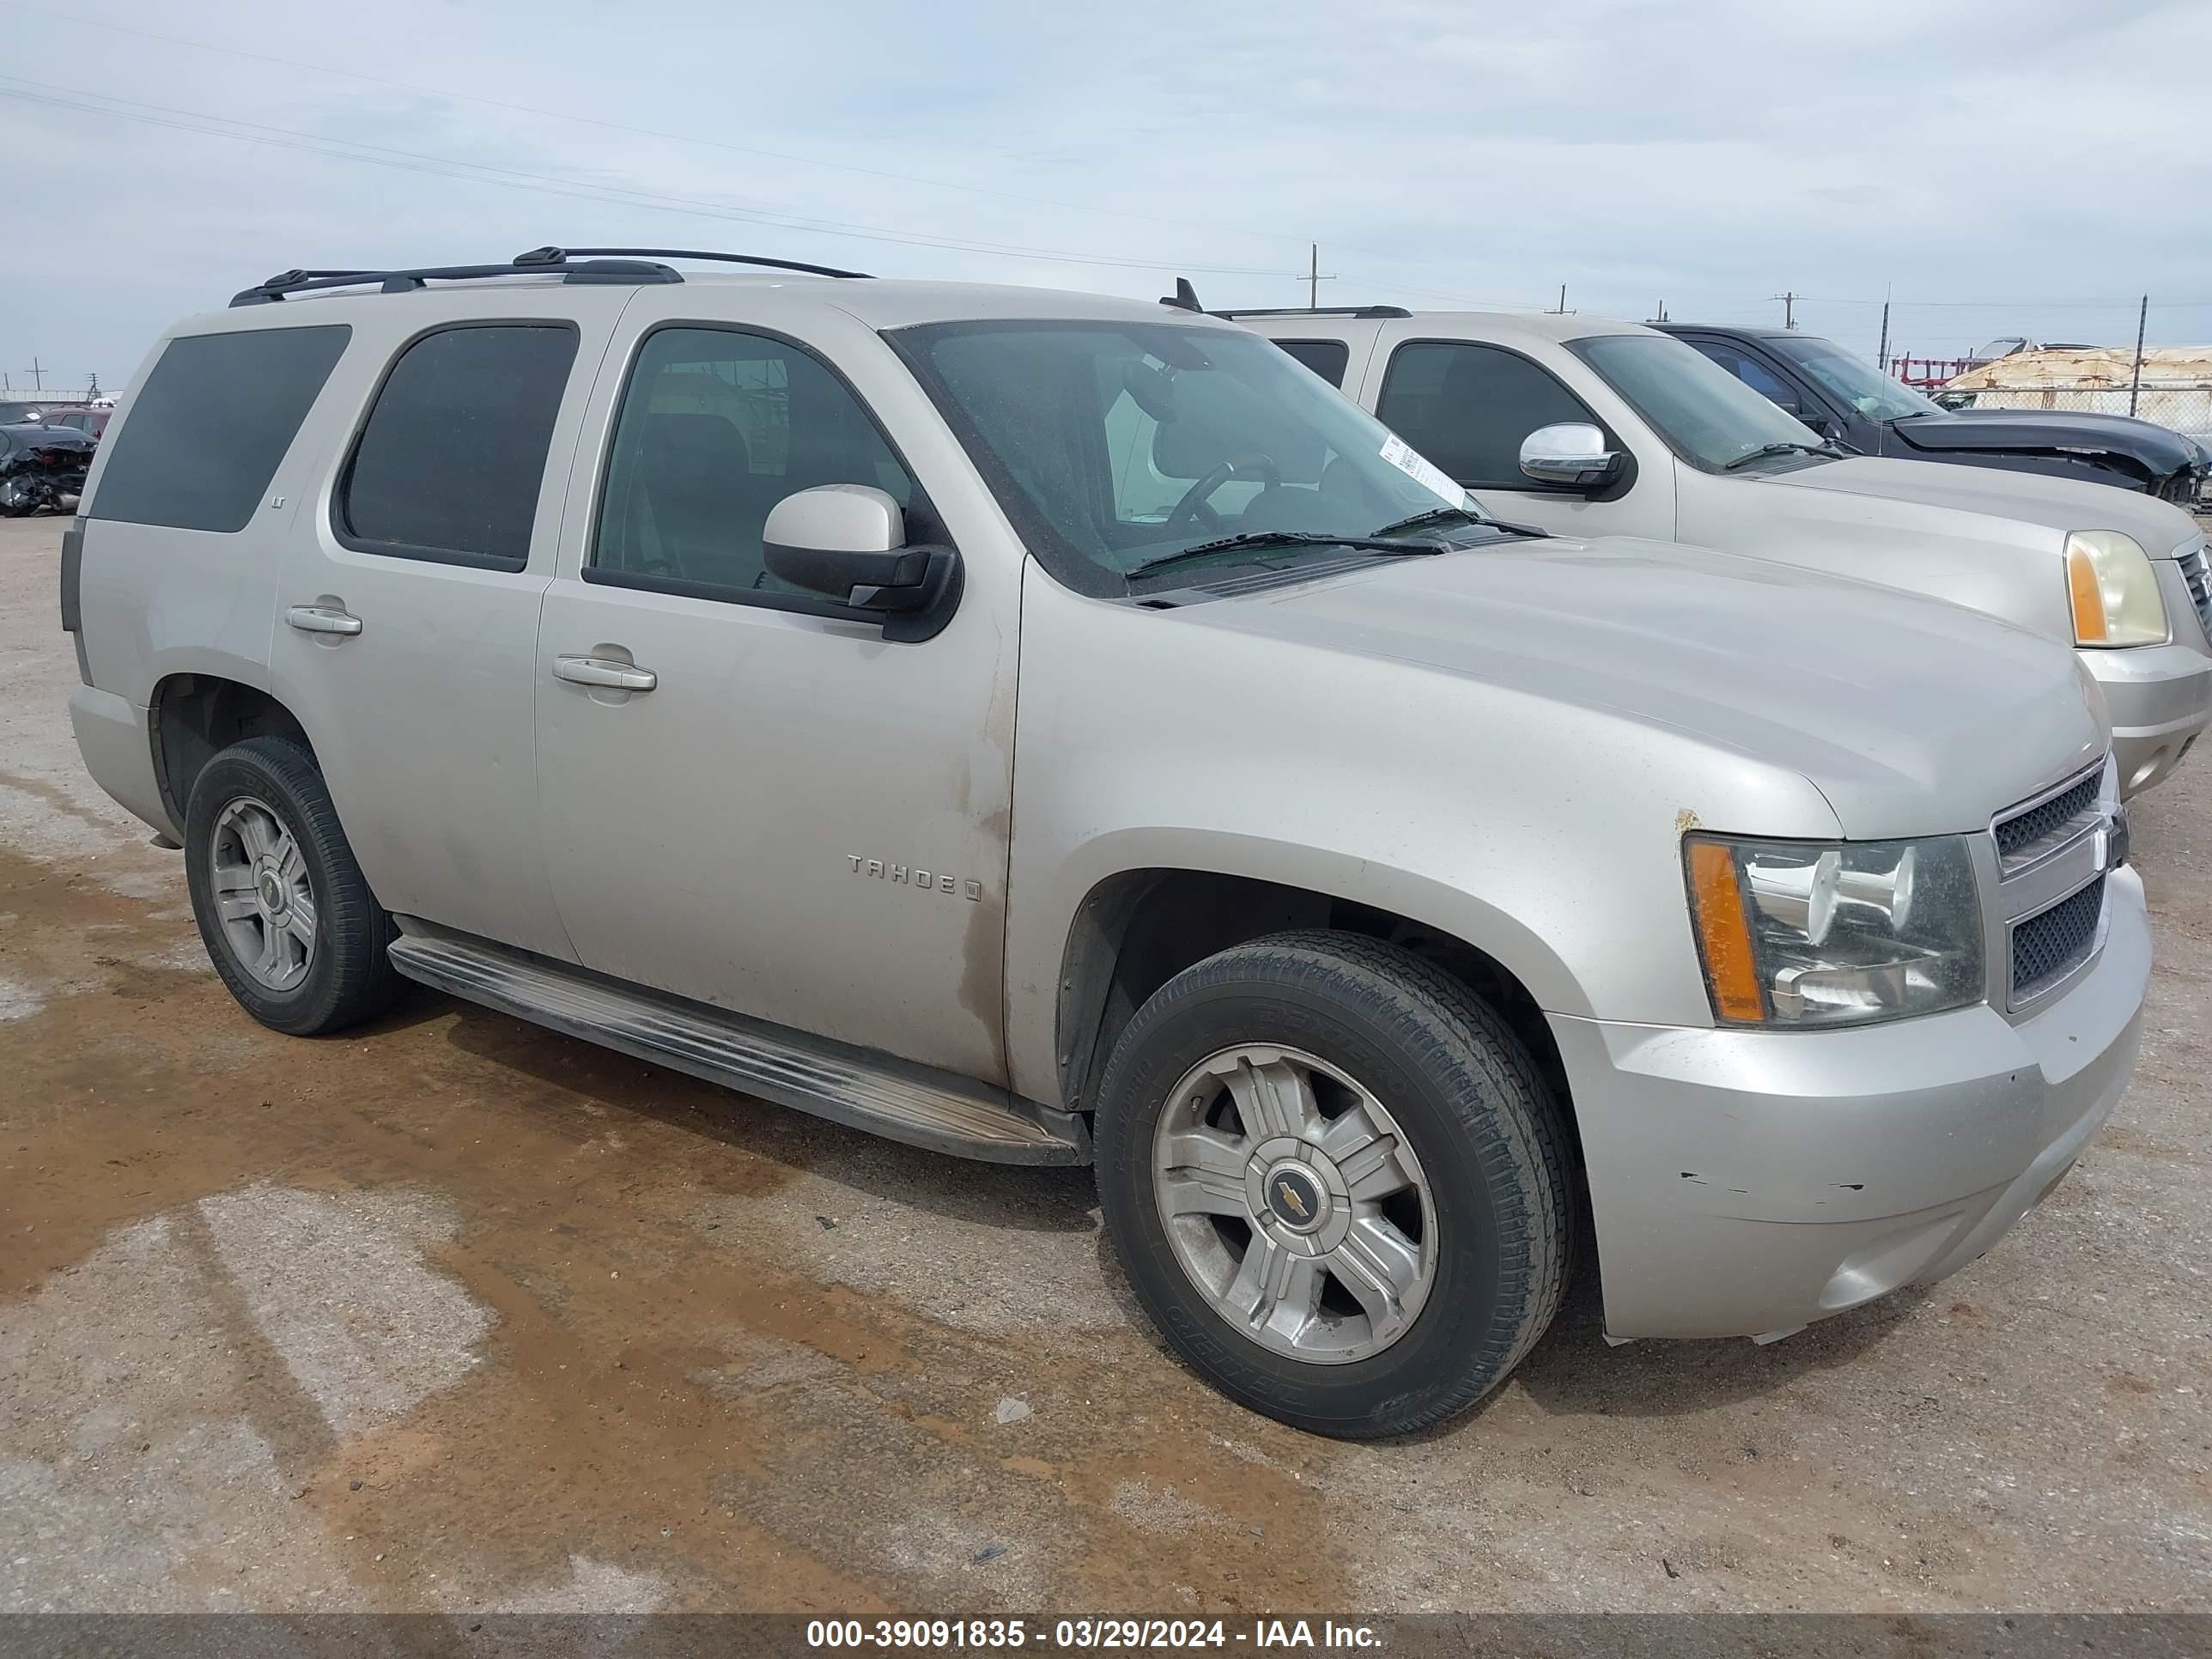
x=42 y=466
x=1845 y=398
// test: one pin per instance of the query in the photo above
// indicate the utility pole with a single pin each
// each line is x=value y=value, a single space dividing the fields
x=1314 y=277
x=37 y=374
x=2135 y=388
x=1882 y=354
x=1789 y=307
x=1560 y=310
x=92 y=390
x=1661 y=317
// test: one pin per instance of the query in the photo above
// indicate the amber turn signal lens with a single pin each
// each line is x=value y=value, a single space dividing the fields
x=2089 y=626
x=1723 y=934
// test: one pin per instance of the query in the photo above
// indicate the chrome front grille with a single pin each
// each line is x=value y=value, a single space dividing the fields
x=2196 y=571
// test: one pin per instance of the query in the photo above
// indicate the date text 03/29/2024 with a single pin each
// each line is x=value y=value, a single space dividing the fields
x=1262 y=1634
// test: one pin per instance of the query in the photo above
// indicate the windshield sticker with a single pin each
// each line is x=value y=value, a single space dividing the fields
x=1424 y=471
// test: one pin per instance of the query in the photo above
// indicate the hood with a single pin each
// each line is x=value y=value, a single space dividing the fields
x=1910 y=716
x=2062 y=505
x=2158 y=453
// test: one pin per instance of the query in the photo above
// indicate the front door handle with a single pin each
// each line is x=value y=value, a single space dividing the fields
x=322 y=619
x=598 y=670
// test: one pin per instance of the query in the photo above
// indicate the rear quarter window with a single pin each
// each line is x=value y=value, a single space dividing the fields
x=210 y=426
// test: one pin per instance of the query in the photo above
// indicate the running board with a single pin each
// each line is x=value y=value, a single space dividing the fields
x=892 y=1098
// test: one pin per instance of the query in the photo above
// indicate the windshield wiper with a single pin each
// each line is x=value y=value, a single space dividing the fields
x=1436 y=517
x=1266 y=538
x=1786 y=448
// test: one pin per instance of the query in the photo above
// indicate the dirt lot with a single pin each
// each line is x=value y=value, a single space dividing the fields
x=452 y=1313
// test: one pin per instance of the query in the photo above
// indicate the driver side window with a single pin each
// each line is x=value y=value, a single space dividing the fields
x=1467 y=407
x=717 y=425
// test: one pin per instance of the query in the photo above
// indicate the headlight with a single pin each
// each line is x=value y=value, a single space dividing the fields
x=1802 y=933
x=2113 y=589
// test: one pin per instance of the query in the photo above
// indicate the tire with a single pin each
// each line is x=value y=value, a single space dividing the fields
x=344 y=976
x=1494 y=1217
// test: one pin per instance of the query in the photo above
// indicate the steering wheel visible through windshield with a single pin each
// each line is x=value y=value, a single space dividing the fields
x=1116 y=445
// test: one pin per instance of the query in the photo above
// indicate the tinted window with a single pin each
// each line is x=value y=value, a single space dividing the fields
x=451 y=461
x=1327 y=358
x=212 y=423
x=1467 y=408
x=716 y=428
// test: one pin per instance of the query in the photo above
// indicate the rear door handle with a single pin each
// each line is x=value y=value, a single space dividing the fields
x=322 y=619
x=598 y=670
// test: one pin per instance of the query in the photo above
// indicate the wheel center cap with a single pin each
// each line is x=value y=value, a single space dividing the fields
x=1298 y=1201
x=272 y=892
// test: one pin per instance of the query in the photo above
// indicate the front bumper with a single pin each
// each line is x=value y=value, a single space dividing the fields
x=1745 y=1183
x=2159 y=698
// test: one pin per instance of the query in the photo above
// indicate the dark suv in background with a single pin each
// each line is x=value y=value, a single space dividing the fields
x=1842 y=396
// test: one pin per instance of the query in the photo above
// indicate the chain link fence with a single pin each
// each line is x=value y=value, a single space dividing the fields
x=2185 y=406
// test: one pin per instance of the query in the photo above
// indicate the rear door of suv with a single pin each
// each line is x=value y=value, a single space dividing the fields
x=406 y=627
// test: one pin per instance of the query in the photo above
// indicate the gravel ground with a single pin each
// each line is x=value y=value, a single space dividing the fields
x=455 y=1314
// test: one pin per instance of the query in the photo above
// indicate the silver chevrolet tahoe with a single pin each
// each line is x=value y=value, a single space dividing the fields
x=1053 y=729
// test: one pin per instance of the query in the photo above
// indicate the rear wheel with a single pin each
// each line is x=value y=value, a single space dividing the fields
x=285 y=914
x=1336 y=1182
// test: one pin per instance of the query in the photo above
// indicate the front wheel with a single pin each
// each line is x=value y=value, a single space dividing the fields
x=1336 y=1182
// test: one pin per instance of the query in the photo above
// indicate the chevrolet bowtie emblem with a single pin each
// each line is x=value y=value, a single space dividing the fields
x=1289 y=1196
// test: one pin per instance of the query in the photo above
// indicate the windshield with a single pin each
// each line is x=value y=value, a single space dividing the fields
x=1706 y=415
x=1113 y=446
x=1856 y=381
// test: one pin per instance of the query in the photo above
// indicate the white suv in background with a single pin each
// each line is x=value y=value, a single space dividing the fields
x=1591 y=428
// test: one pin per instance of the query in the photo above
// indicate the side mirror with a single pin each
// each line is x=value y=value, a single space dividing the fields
x=1822 y=426
x=1572 y=452
x=847 y=543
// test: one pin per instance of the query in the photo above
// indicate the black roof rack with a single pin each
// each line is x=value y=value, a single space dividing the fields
x=402 y=281
x=554 y=256
x=575 y=265
x=1318 y=310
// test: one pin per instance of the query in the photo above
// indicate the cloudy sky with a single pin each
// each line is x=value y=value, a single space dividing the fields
x=2014 y=167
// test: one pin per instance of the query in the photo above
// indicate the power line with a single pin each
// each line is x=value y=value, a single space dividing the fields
x=638 y=131
x=257 y=132
x=1211 y=227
